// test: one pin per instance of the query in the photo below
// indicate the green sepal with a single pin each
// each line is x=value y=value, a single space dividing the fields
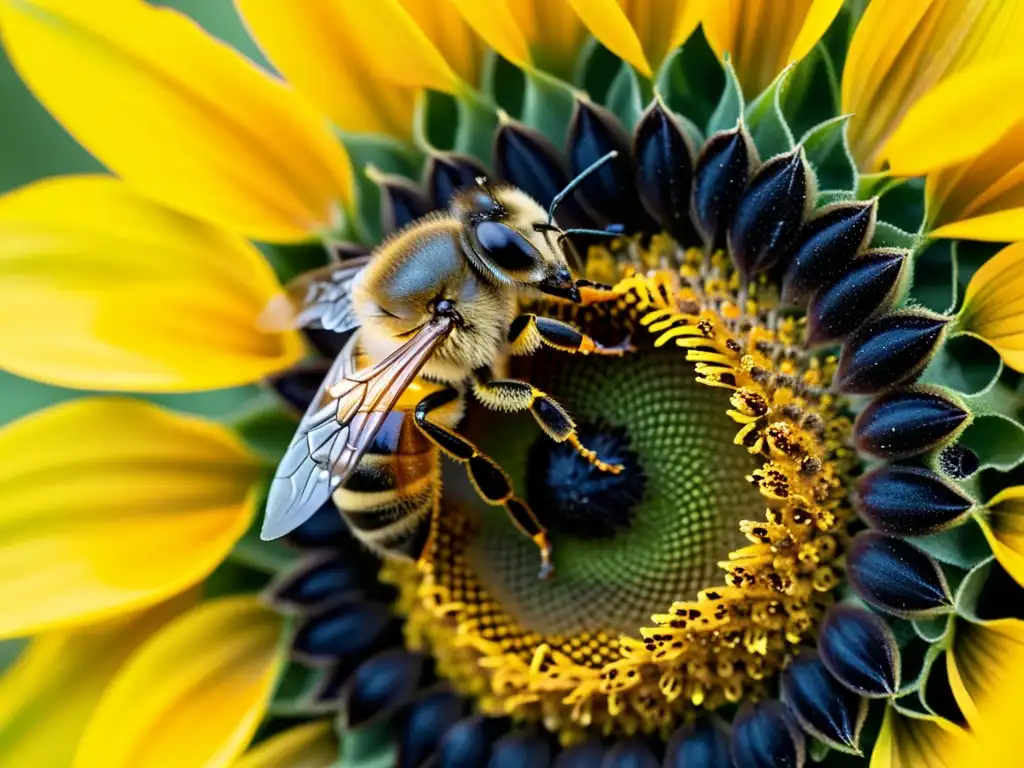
x=232 y=578
x=966 y=596
x=730 y=105
x=371 y=747
x=824 y=144
x=10 y=650
x=997 y=439
x=910 y=705
x=966 y=365
x=890 y=236
x=548 y=105
x=765 y=120
x=293 y=696
x=963 y=546
x=474 y=132
x=817 y=750
x=289 y=261
x=830 y=196
x=690 y=81
x=913 y=700
x=933 y=630
x=388 y=155
x=265 y=427
x=935 y=276
x=627 y=96
x=876 y=184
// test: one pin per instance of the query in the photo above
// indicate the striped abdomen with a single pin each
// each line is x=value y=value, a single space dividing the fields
x=388 y=501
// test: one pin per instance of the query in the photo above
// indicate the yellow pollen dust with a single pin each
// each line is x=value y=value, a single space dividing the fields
x=718 y=647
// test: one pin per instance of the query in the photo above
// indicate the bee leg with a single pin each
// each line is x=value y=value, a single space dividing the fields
x=514 y=395
x=529 y=332
x=489 y=480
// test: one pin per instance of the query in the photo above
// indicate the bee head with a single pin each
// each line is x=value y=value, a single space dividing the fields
x=506 y=238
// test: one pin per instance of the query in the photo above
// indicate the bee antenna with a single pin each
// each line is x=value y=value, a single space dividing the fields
x=576 y=182
x=613 y=230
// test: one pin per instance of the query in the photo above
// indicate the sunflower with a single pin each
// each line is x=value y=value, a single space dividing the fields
x=799 y=221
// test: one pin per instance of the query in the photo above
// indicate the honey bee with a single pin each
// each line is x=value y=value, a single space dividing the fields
x=437 y=307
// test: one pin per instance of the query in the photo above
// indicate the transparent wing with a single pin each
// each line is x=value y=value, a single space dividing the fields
x=320 y=298
x=340 y=425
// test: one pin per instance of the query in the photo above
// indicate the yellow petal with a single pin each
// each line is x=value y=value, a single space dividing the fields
x=496 y=23
x=48 y=695
x=763 y=37
x=981 y=663
x=994 y=304
x=983 y=197
x=182 y=117
x=312 y=745
x=909 y=742
x=901 y=50
x=1004 y=528
x=450 y=36
x=986 y=673
x=110 y=505
x=109 y=290
x=551 y=28
x=322 y=53
x=193 y=695
x=935 y=134
x=608 y=22
x=993 y=228
x=414 y=43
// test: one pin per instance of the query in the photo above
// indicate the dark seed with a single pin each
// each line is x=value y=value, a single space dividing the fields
x=357 y=629
x=868 y=287
x=770 y=213
x=909 y=501
x=906 y=423
x=823 y=707
x=467 y=744
x=721 y=172
x=958 y=461
x=588 y=754
x=764 y=735
x=698 y=745
x=630 y=753
x=663 y=169
x=826 y=246
x=447 y=172
x=860 y=650
x=401 y=201
x=525 y=159
x=315 y=581
x=608 y=193
x=520 y=749
x=888 y=351
x=380 y=687
x=424 y=724
x=896 y=577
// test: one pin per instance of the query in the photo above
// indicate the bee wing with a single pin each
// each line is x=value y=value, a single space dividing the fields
x=320 y=298
x=339 y=426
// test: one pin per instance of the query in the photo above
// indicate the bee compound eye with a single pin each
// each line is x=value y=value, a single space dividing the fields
x=505 y=247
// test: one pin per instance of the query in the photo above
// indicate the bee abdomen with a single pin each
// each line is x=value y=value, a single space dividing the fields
x=388 y=502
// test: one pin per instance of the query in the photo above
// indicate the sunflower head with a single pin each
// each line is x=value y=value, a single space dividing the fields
x=744 y=384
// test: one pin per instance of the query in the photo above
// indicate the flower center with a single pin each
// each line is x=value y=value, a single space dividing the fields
x=734 y=455
x=574 y=498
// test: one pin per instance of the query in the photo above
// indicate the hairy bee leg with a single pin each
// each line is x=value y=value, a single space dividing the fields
x=528 y=332
x=514 y=395
x=489 y=480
